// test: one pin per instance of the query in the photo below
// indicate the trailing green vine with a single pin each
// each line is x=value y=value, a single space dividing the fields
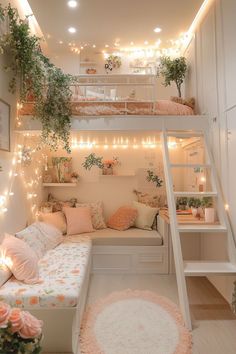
x=37 y=79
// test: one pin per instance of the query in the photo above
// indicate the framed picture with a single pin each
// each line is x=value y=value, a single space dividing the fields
x=5 y=111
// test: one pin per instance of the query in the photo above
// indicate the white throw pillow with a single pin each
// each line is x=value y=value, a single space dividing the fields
x=96 y=214
x=56 y=219
x=146 y=216
x=41 y=237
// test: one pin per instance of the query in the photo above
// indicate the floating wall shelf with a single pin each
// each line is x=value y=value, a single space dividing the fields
x=59 y=184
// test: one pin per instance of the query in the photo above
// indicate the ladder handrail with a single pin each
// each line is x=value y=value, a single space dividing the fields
x=178 y=257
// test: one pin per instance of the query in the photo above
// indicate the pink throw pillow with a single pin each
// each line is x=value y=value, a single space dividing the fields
x=123 y=218
x=79 y=220
x=22 y=260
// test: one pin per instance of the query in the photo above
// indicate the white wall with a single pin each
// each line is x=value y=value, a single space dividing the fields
x=19 y=207
x=211 y=80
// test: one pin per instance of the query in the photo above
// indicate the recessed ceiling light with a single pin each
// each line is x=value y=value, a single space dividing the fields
x=60 y=42
x=94 y=46
x=157 y=30
x=72 y=29
x=106 y=46
x=131 y=43
x=72 y=3
x=146 y=42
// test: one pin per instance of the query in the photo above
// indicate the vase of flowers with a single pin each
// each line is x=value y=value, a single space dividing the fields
x=74 y=177
x=108 y=166
x=20 y=332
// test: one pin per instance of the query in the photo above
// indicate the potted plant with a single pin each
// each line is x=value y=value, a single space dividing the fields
x=105 y=165
x=209 y=211
x=194 y=204
x=108 y=166
x=20 y=332
x=173 y=70
x=181 y=203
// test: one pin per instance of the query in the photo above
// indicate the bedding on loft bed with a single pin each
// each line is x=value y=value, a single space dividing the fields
x=96 y=108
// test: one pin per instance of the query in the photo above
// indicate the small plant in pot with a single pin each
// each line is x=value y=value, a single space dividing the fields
x=181 y=203
x=194 y=204
x=209 y=211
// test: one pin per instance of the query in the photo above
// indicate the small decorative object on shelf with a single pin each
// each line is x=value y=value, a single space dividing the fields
x=62 y=169
x=74 y=177
x=20 y=332
x=46 y=207
x=181 y=203
x=152 y=177
x=234 y=299
x=107 y=166
x=91 y=71
x=207 y=204
x=195 y=204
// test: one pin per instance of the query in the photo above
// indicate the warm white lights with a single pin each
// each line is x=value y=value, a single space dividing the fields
x=72 y=30
x=157 y=30
x=72 y=3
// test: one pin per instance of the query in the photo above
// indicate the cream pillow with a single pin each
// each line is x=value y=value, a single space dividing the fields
x=96 y=214
x=56 y=219
x=146 y=216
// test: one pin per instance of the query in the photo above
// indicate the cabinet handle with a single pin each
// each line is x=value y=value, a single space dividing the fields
x=214 y=119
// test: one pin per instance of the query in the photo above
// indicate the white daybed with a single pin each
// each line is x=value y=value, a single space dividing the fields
x=60 y=298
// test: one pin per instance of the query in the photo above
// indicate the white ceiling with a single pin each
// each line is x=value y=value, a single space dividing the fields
x=102 y=22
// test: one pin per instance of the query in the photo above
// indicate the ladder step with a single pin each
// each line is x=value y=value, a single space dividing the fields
x=185 y=134
x=202 y=268
x=202 y=228
x=195 y=194
x=193 y=165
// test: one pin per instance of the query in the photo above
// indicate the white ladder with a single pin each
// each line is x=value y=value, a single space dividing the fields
x=196 y=268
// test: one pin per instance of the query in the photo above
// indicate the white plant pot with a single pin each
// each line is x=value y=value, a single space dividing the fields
x=194 y=212
x=209 y=215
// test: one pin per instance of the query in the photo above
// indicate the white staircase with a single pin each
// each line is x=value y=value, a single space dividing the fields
x=196 y=268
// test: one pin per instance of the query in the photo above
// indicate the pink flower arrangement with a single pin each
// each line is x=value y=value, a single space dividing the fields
x=19 y=331
x=111 y=163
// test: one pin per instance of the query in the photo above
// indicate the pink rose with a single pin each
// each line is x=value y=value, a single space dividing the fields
x=25 y=324
x=32 y=327
x=16 y=320
x=5 y=311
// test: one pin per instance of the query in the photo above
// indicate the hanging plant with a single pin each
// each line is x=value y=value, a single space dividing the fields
x=173 y=70
x=37 y=79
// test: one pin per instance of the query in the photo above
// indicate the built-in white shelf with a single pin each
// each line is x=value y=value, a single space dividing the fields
x=59 y=184
x=128 y=175
x=202 y=268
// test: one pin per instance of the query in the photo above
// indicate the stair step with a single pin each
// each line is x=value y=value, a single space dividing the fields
x=195 y=194
x=201 y=228
x=190 y=165
x=202 y=268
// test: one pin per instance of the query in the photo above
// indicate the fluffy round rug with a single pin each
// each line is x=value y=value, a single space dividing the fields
x=134 y=322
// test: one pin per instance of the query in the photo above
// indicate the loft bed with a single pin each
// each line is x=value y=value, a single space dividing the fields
x=117 y=95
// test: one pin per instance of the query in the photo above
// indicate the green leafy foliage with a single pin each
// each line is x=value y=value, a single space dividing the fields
x=152 y=177
x=37 y=79
x=194 y=202
x=181 y=203
x=207 y=202
x=13 y=343
x=173 y=70
x=92 y=160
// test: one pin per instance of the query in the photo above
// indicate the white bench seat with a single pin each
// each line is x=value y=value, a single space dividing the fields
x=130 y=237
x=62 y=272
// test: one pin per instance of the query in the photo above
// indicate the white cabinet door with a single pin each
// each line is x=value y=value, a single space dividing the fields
x=231 y=120
x=229 y=33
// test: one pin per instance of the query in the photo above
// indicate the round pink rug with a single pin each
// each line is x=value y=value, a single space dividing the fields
x=134 y=322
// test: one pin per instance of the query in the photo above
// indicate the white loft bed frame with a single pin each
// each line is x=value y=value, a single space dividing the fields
x=105 y=83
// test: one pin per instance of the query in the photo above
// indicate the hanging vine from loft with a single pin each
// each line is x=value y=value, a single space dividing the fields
x=35 y=78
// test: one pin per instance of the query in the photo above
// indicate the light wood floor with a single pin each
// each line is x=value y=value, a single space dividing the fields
x=214 y=325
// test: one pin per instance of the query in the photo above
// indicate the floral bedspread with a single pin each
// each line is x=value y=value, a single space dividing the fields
x=62 y=272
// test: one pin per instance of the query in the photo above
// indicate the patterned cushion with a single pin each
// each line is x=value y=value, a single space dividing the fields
x=123 y=218
x=62 y=271
x=40 y=237
x=97 y=214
